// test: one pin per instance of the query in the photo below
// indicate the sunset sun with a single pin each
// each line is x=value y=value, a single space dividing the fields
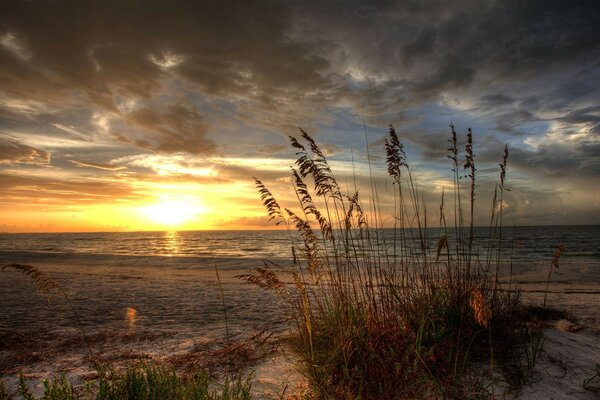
x=172 y=213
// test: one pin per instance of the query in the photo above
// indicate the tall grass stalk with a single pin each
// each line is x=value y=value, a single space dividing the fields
x=379 y=320
x=554 y=264
x=223 y=302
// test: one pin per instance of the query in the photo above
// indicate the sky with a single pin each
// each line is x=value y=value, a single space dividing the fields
x=149 y=115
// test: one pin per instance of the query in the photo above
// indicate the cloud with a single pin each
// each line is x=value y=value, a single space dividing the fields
x=105 y=167
x=204 y=81
x=14 y=152
x=508 y=122
x=9 y=42
x=587 y=117
x=249 y=222
x=178 y=128
x=22 y=190
x=280 y=64
x=130 y=51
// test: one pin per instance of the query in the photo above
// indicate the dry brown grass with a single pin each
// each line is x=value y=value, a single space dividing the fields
x=226 y=357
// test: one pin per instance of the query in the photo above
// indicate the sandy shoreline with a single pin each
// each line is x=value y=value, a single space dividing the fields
x=177 y=310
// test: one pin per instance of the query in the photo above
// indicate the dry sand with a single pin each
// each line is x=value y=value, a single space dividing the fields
x=569 y=358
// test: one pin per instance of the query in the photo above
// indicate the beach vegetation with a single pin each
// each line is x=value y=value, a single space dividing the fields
x=144 y=381
x=3 y=391
x=377 y=312
x=151 y=381
x=159 y=382
x=388 y=316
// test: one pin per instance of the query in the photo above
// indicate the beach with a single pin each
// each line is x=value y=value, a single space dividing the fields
x=130 y=311
x=169 y=309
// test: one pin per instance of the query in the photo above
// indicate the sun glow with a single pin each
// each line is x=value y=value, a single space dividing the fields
x=172 y=212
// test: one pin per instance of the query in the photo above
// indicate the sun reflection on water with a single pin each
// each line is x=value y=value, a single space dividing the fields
x=172 y=243
x=130 y=318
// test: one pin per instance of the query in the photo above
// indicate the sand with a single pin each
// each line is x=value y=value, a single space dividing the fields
x=569 y=358
x=134 y=311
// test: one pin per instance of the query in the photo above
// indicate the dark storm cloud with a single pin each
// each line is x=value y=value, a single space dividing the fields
x=575 y=162
x=94 y=54
x=448 y=44
x=509 y=122
x=582 y=116
x=177 y=128
x=76 y=47
x=282 y=57
x=490 y=101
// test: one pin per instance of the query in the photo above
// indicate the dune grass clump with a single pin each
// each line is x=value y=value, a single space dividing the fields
x=380 y=313
x=144 y=382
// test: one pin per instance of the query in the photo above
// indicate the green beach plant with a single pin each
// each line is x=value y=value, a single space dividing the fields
x=379 y=315
x=150 y=382
x=59 y=389
x=24 y=389
x=4 y=395
x=143 y=382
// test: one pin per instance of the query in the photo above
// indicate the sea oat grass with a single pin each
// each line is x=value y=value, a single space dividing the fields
x=380 y=320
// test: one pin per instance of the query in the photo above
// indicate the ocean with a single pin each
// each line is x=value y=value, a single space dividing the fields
x=522 y=244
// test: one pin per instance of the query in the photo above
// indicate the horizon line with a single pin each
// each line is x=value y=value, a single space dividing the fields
x=280 y=229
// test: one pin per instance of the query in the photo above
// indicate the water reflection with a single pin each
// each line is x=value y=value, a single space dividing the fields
x=172 y=243
x=130 y=319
